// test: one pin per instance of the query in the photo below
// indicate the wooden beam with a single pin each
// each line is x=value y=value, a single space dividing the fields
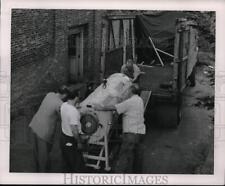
x=116 y=32
x=81 y=66
x=124 y=41
x=100 y=154
x=145 y=95
x=160 y=60
x=141 y=65
x=93 y=166
x=111 y=37
x=164 y=52
x=94 y=157
x=103 y=50
x=121 y=16
x=133 y=38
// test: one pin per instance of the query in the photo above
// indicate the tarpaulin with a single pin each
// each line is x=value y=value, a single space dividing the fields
x=160 y=27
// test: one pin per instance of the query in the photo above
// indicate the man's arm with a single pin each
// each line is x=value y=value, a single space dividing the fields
x=137 y=76
x=104 y=108
x=76 y=135
x=119 y=108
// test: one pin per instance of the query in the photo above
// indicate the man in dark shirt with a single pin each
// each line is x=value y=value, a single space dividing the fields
x=43 y=127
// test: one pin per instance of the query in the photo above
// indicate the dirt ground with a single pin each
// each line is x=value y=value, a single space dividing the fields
x=186 y=149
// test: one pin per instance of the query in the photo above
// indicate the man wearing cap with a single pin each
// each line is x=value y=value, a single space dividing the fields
x=133 y=126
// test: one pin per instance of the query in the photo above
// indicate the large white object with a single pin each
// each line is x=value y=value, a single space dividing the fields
x=115 y=90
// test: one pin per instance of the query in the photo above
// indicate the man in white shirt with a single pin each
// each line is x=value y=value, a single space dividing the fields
x=133 y=128
x=71 y=141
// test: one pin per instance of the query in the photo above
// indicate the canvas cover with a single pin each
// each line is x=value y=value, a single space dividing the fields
x=160 y=27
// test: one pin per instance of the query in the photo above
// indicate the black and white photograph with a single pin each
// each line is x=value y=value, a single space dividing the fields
x=114 y=91
x=112 y=94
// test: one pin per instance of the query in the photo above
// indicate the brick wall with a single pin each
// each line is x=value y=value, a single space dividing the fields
x=31 y=36
x=35 y=67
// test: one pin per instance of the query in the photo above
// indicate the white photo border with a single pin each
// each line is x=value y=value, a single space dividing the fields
x=59 y=178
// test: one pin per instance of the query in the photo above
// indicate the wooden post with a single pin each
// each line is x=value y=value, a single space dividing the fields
x=103 y=49
x=124 y=42
x=133 y=38
x=179 y=74
x=107 y=167
x=116 y=32
x=100 y=155
x=176 y=60
x=164 y=52
x=81 y=53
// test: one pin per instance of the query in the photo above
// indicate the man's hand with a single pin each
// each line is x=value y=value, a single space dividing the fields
x=79 y=146
x=99 y=107
x=84 y=138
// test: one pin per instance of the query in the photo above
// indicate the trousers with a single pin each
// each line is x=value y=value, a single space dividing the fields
x=41 y=151
x=128 y=154
x=72 y=155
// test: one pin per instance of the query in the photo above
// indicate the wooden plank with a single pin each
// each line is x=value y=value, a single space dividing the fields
x=141 y=65
x=193 y=51
x=103 y=50
x=116 y=32
x=111 y=37
x=121 y=17
x=121 y=33
x=106 y=151
x=185 y=53
x=124 y=41
x=160 y=60
x=164 y=52
x=111 y=40
x=176 y=59
x=81 y=54
x=133 y=38
x=181 y=65
x=92 y=165
x=77 y=58
x=94 y=157
x=145 y=95
x=100 y=154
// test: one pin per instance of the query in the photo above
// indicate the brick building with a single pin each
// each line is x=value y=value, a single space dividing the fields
x=39 y=50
